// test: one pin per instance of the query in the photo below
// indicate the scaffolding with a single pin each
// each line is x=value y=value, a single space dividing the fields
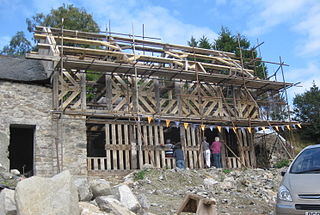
x=129 y=87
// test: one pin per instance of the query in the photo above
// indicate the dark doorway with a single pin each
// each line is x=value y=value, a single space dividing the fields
x=96 y=140
x=21 y=148
x=173 y=134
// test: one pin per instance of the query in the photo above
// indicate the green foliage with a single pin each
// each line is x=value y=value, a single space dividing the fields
x=307 y=109
x=140 y=175
x=282 y=163
x=226 y=171
x=74 y=19
x=231 y=43
x=18 y=45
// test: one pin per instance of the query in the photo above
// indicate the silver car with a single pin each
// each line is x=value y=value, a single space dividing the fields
x=299 y=192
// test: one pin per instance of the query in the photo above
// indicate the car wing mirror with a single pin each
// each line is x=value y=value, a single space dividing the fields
x=283 y=172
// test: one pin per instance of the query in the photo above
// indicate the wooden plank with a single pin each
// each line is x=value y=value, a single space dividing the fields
x=150 y=128
x=194 y=143
x=145 y=142
x=162 y=153
x=83 y=90
x=234 y=163
x=139 y=137
x=184 y=144
x=133 y=143
x=108 y=80
x=102 y=163
x=200 y=151
x=120 y=152
x=108 y=153
x=126 y=142
x=190 y=153
x=114 y=152
x=157 y=95
x=89 y=164
x=156 y=143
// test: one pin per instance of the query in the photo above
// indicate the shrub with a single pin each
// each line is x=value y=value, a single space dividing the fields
x=140 y=175
x=226 y=171
x=282 y=163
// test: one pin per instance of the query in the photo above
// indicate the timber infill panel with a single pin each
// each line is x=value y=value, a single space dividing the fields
x=144 y=145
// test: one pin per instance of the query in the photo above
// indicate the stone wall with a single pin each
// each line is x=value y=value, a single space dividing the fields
x=27 y=104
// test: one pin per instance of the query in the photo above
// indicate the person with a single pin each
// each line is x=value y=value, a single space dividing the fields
x=178 y=154
x=169 y=148
x=206 y=151
x=216 y=152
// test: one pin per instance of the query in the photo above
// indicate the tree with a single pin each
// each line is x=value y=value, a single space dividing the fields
x=307 y=109
x=74 y=19
x=18 y=45
x=230 y=43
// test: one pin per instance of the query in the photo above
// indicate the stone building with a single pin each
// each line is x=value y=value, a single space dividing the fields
x=27 y=127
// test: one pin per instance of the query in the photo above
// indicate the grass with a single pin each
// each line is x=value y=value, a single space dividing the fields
x=140 y=175
x=282 y=163
x=226 y=171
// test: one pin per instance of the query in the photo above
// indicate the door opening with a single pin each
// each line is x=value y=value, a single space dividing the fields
x=21 y=148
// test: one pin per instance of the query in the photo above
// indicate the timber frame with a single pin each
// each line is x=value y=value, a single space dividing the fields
x=119 y=83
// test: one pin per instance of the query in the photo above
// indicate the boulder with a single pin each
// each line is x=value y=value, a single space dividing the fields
x=112 y=205
x=15 y=172
x=51 y=196
x=89 y=209
x=209 y=182
x=100 y=187
x=143 y=201
x=7 y=203
x=127 y=198
x=83 y=188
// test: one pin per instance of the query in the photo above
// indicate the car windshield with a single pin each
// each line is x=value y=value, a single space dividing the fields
x=307 y=162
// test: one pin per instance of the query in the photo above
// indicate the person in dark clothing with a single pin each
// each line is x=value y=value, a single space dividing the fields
x=216 y=152
x=179 y=155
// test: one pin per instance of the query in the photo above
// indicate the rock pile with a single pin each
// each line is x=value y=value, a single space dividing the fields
x=155 y=191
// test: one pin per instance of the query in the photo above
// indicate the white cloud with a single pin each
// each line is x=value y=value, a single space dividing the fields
x=158 y=21
x=270 y=13
x=306 y=75
x=4 y=40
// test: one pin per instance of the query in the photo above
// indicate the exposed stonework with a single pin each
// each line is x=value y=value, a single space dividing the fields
x=27 y=104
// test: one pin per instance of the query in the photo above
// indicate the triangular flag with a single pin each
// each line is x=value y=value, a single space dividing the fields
x=158 y=121
x=167 y=122
x=242 y=129
x=149 y=119
x=270 y=127
x=185 y=125
x=277 y=127
x=227 y=128
x=294 y=126
x=249 y=129
x=256 y=128
x=234 y=129
x=177 y=123
x=282 y=127
x=219 y=128
x=263 y=128
x=288 y=127
x=212 y=127
x=299 y=125
x=202 y=127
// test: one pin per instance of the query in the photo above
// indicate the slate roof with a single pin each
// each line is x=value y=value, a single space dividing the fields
x=22 y=70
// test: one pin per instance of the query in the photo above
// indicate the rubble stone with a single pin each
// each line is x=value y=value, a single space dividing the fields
x=112 y=205
x=90 y=209
x=100 y=187
x=50 y=196
x=127 y=198
x=83 y=188
x=7 y=203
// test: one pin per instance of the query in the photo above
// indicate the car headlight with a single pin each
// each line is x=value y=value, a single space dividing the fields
x=284 y=194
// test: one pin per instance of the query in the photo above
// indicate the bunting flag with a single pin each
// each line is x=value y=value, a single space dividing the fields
x=158 y=121
x=242 y=129
x=149 y=119
x=249 y=130
x=202 y=127
x=299 y=125
x=219 y=128
x=227 y=128
x=256 y=128
x=185 y=125
x=177 y=123
x=277 y=127
x=294 y=126
x=270 y=127
x=263 y=128
x=282 y=127
x=288 y=127
x=212 y=127
x=167 y=122
x=234 y=129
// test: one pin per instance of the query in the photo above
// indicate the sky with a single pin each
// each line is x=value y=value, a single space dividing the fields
x=290 y=29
